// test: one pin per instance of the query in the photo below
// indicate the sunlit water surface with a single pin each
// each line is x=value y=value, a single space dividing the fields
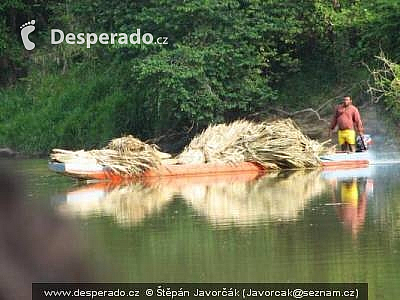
x=313 y=226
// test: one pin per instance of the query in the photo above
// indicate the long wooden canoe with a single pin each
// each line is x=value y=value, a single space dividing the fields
x=95 y=171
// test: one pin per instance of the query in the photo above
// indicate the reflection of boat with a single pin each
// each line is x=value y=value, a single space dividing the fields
x=272 y=197
x=240 y=199
x=329 y=174
x=90 y=169
x=127 y=203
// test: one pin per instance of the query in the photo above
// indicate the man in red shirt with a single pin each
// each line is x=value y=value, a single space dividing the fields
x=348 y=119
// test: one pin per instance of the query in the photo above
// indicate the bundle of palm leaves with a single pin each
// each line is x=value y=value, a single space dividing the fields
x=279 y=144
x=126 y=155
x=276 y=145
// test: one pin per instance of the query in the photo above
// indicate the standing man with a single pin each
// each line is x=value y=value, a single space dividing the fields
x=348 y=119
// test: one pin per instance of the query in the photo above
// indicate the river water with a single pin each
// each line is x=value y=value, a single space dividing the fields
x=306 y=226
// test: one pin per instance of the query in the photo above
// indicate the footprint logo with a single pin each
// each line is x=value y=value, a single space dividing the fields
x=26 y=29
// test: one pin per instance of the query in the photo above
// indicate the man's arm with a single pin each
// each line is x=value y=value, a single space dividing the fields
x=357 y=121
x=333 y=122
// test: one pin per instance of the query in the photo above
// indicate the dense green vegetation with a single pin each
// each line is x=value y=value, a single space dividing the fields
x=224 y=60
x=385 y=84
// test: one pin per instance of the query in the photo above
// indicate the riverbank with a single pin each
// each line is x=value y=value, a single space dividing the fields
x=377 y=121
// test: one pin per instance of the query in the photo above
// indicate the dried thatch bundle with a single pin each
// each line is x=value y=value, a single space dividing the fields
x=61 y=155
x=127 y=144
x=127 y=163
x=279 y=144
x=126 y=155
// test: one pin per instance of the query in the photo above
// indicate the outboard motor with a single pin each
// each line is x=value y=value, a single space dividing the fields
x=363 y=142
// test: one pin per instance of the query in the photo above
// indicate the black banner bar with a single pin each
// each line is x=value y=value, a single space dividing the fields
x=178 y=291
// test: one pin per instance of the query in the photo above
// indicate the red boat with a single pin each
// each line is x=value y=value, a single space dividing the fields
x=92 y=170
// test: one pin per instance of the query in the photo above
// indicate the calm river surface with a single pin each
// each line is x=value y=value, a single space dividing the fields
x=290 y=227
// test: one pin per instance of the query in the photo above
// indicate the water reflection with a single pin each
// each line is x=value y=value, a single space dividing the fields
x=350 y=197
x=223 y=200
x=239 y=200
x=267 y=236
x=129 y=203
x=277 y=197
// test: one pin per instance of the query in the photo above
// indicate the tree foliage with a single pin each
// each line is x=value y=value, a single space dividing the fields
x=224 y=60
x=385 y=83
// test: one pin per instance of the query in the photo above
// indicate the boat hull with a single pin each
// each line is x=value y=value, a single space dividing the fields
x=93 y=171
x=343 y=160
x=98 y=172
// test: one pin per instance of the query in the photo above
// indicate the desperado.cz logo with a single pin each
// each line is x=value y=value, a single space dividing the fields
x=26 y=29
x=57 y=36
